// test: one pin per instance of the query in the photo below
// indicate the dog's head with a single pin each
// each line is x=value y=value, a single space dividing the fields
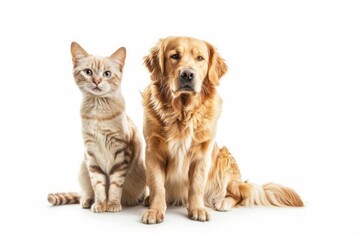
x=185 y=66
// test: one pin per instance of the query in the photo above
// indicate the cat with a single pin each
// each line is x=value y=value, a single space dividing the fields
x=113 y=170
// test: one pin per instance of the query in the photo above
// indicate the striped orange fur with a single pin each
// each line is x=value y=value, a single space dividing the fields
x=113 y=170
x=63 y=198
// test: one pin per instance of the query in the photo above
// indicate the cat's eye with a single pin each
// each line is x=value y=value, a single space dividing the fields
x=199 y=58
x=175 y=56
x=107 y=74
x=88 y=72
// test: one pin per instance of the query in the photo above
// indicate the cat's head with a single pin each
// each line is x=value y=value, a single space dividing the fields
x=97 y=75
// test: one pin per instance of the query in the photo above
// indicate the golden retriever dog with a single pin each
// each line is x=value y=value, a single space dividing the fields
x=184 y=164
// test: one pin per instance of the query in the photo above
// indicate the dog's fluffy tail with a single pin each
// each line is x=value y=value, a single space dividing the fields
x=269 y=194
x=63 y=198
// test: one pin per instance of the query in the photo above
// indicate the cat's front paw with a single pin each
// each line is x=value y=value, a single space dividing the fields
x=98 y=207
x=114 y=207
x=152 y=216
x=199 y=214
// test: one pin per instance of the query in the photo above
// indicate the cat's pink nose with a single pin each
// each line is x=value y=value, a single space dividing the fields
x=96 y=80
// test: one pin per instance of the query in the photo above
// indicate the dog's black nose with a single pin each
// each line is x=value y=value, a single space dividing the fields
x=187 y=75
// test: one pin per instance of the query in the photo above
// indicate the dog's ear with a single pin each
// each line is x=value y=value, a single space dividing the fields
x=155 y=61
x=217 y=65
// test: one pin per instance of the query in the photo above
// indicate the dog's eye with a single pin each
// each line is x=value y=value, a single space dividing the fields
x=107 y=74
x=200 y=58
x=175 y=56
x=88 y=72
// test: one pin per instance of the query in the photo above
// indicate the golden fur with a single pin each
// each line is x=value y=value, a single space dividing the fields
x=184 y=164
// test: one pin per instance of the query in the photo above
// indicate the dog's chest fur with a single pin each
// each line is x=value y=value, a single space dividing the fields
x=179 y=142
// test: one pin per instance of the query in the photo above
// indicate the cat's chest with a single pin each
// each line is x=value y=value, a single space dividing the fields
x=104 y=140
x=102 y=133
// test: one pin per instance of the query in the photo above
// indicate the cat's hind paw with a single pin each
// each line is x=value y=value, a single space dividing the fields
x=86 y=203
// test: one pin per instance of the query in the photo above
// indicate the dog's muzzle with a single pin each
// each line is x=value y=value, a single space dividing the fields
x=187 y=80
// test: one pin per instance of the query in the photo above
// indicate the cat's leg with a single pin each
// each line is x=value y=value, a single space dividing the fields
x=116 y=180
x=98 y=183
x=87 y=193
x=134 y=190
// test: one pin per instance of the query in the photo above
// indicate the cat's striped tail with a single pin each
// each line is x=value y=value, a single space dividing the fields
x=63 y=198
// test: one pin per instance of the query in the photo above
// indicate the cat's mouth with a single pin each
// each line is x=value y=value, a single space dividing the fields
x=96 y=89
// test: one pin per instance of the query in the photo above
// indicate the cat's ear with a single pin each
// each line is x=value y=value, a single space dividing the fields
x=119 y=57
x=77 y=53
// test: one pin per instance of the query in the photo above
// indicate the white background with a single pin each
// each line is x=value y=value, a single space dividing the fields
x=290 y=115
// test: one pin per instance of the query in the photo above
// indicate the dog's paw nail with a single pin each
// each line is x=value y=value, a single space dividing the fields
x=200 y=214
x=152 y=216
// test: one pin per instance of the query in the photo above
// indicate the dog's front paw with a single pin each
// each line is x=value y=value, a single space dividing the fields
x=199 y=214
x=152 y=216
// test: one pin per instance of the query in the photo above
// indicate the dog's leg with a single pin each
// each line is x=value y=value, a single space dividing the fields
x=156 y=179
x=225 y=204
x=198 y=175
x=221 y=200
x=226 y=177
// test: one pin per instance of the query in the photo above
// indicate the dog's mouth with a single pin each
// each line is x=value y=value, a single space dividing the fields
x=184 y=89
x=184 y=95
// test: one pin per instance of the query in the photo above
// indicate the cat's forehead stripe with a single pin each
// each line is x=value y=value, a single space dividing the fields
x=97 y=64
